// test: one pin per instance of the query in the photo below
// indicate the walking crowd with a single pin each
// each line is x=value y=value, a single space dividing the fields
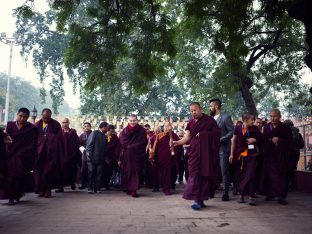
x=253 y=157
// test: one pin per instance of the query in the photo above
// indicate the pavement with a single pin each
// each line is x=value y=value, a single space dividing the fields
x=115 y=212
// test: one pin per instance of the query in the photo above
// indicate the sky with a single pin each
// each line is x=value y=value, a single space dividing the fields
x=19 y=67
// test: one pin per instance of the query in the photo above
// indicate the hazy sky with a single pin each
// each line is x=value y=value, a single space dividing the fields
x=19 y=67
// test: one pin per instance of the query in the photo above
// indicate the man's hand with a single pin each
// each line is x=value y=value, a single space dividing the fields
x=8 y=140
x=231 y=158
x=251 y=141
x=174 y=143
x=275 y=140
x=119 y=163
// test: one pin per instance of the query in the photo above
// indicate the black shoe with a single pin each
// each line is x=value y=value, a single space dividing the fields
x=73 y=186
x=82 y=187
x=60 y=190
x=269 y=198
x=202 y=204
x=282 y=201
x=108 y=189
x=155 y=190
x=225 y=197
x=11 y=202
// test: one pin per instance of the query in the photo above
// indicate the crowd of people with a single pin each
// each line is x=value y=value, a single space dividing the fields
x=255 y=157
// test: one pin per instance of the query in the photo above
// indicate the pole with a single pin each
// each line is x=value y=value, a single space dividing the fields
x=7 y=97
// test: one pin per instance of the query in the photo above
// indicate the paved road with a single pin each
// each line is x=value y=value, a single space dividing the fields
x=114 y=212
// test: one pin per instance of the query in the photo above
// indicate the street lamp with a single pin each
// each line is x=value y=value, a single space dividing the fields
x=34 y=114
x=9 y=41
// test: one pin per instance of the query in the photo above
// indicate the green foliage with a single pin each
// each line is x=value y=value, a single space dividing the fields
x=240 y=51
x=23 y=94
x=120 y=99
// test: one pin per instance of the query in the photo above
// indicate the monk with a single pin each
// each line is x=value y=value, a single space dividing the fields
x=144 y=180
x=83 y=163
x=133 y=150
x=245 y=147
x=168 y=159
x=71 y=156
x=203 y=135
x=49 y=153
x=153 y=172
x=276 y=158
x=112 y=155
x=4 y=139
x=20 y=154
x=259 y=123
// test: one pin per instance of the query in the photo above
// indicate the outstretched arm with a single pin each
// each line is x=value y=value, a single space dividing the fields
x=184 y=140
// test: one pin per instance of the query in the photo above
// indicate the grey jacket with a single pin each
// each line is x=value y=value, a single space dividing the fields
x=227 y=128
x=96 y=147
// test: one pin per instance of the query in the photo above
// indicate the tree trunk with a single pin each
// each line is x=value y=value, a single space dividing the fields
x=247 y=96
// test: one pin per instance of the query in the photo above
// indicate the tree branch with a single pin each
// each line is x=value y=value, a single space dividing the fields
x=263 y=50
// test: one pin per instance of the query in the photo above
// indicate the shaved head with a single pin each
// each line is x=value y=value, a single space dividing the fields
x=65 y=123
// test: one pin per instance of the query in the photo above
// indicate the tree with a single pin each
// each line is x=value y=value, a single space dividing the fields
x=119 y=98
x=215 y=47
x=23 y=94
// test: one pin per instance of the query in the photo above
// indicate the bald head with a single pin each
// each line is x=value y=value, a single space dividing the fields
x=167 y=127
x=65 y=123
x=196 y=110
x=157 y=130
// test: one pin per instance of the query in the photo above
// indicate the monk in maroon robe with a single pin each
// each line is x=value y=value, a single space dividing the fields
x=133 y=150
x=245 y=149
x=203 y=135
x=71 y=156
x=168 y=159
x=49 y=152
x=153 y=173
x=113 y=156
x=3 y=163
x=276 y=159
x=20 y=154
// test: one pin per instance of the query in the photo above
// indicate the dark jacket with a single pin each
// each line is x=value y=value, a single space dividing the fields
x=96 y=147
x=227 y=128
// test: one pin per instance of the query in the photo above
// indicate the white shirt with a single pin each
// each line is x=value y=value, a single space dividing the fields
x=216 y=116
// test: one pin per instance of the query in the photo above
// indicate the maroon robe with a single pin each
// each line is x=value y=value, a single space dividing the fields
x=71 y=156
x=276 y=160
x=203 y=158
x=246 y=166
x=133 y=151
x=153 y=173
x=49 y=152
x=20 y=158
x=3 y=171
x=168 y=164
x=112 y=148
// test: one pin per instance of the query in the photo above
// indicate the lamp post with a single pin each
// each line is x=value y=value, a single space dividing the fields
x=34 y=113
x=9 y=41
